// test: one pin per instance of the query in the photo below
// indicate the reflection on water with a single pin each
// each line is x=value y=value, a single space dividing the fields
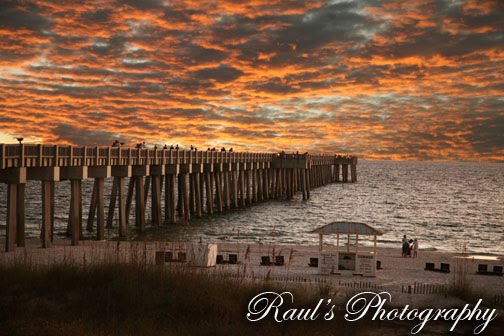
x=442 y=204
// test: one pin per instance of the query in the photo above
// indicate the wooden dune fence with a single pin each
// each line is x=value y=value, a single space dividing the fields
x=360 y=284
x=421 y=288
x=269 y=277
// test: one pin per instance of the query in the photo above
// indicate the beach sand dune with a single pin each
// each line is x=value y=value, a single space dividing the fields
x=398 y=274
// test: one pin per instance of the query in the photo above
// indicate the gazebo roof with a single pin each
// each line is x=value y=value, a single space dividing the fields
x=347 y=228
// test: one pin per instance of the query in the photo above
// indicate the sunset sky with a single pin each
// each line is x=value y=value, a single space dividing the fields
x=403 y=80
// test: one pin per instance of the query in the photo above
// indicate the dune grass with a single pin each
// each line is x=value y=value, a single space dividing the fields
x=129 y=296
x=137 y=299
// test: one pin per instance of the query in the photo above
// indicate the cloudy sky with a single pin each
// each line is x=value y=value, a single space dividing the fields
x=403 y=80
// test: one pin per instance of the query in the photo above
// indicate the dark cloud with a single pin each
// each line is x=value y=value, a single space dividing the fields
x=99 y=16
x=367 y=75
x=13 y=18
x=487 y=136
x=455 y=33
x=196 y=54
x=250 y=134
x=83 y=136
x=143 y=4
x=274 y=85
x=222 y=74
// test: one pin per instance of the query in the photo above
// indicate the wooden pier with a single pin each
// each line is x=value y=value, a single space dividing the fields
x=193 y=183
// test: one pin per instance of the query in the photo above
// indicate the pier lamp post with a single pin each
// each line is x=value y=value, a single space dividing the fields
x=20 y=140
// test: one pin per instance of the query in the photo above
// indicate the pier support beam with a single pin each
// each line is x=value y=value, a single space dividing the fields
x=170 y=198
x=218 y=190
x=241 y=187
x=308 y=183
x=92 y=208
x=209 y=192
x=303 y=184
x=185 y=194
x=156 y=200
x=234 y=188
x=43 y=173
x=197 y=194
x=75 y=219
x=119 y=173
x=227 y=193
x=345 y=172
x=10 y=236
x=97 y=207
x=20 y=216
x=129 y=198
x=47 y=200
x=77 y=173
x=139 y=203
x=353 y=171
x=15 y=178
x=100 y=208
x=113 y=198
x=122 y=206
x=157 y=172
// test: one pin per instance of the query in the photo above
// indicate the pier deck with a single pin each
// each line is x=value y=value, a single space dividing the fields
x=192 y=182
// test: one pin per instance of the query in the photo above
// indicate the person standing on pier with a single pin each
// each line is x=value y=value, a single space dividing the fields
x=415 y=248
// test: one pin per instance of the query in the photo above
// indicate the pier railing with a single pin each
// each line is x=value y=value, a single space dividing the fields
x=59 y=156
x=13 y=155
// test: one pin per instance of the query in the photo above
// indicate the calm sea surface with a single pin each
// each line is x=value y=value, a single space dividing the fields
x=444 y=205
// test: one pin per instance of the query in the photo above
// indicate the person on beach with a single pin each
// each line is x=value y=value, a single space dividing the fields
x=410 y=247
x=415 y=248
x=405 y=246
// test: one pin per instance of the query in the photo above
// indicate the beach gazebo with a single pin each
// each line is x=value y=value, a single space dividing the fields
x=359 y=262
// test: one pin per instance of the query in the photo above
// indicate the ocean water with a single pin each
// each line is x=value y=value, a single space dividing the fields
x=446 y=206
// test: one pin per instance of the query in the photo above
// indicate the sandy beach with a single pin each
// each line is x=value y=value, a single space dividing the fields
x=396 y=275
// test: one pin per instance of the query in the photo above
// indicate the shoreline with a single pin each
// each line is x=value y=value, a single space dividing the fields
x=62 y=238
